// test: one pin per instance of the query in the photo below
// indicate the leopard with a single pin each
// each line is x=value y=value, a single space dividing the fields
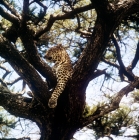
x=62 y=69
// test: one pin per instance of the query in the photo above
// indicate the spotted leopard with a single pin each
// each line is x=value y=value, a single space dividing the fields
x=62 y=69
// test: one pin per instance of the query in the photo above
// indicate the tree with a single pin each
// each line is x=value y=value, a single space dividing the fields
x=22 y=25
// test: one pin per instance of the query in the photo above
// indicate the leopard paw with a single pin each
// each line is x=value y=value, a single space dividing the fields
x=52 y=103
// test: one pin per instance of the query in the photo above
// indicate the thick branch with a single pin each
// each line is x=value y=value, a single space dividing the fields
x=32 y=54
x=68 y=15
x=14 y=103
x=102 y=6
x=20 y=106
x=25 y=11
x=26 y=36
x=93 y=52
x=25 y=7
x=24 y=69
x=10 y=8
x=11 y=33
x=8 y=16
x=115 y=102
x=133 y=6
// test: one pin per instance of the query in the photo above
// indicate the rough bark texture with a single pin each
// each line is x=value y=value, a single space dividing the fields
x=63 y=121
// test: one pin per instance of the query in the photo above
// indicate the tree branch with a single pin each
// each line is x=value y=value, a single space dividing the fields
x=4 y=68
x=32 y=52
x=68 y=15
x=103 y=8
x=14 y=81
x=13 y=103
x=6 y=71
x=114 y=105
x=10 y=8
x=110 y=63
x=8 y=16
x=136 y=58
x=25 y=7
x=97 y=74
x=20 y=106
x=118 y=51
x=122 y=69
x=12 y=33
x=93 y=52
x=42 y=14
x=25 y=11
x=25 y=70
x=26 y=36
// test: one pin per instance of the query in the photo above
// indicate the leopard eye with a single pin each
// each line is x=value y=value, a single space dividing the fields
x=49 y=58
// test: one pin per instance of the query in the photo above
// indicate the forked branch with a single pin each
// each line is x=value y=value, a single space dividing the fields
x=122 y=70
x=114 y=104
x=24 y=69
x=8 y=16
x=10 y=8
x=68 y=15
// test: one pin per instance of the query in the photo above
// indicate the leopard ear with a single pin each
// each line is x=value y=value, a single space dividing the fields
x=60 y=45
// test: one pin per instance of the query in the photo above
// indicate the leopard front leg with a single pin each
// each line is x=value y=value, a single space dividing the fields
x=58 y=90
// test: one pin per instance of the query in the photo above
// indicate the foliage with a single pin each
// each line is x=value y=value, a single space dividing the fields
x=6 y=122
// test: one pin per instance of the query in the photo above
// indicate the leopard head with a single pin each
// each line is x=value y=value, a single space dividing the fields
x=55 y=54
